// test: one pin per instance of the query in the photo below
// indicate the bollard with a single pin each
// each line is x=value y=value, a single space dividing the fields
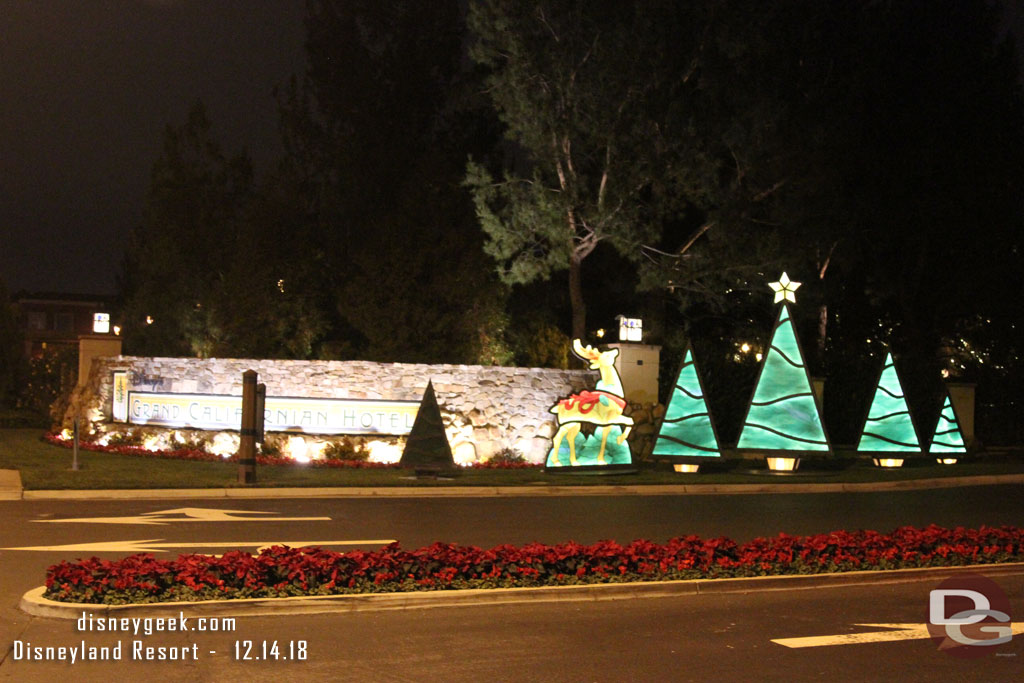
x=247 y=443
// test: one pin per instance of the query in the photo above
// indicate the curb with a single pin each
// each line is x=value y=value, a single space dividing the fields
x=10 y=485
x=518 y=491
x=35 y=604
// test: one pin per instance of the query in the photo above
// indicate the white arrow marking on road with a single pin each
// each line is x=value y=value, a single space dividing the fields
x=190 y=515
x=900 y=632
x=156 y=545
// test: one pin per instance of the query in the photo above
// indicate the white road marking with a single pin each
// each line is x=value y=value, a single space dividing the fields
x=897 y=632
x=185 y=515
x=157 y=545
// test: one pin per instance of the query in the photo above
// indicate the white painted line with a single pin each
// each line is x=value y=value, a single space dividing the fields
x=157 y=545
x=184 y=515
x=898 y=632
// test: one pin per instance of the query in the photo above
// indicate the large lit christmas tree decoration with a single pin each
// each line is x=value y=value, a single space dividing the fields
x=783 y=414
x=889 y=427
x=687 y=430
x=948 y=438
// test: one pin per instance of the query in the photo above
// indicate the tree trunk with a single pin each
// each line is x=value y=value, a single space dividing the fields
x=579 y=308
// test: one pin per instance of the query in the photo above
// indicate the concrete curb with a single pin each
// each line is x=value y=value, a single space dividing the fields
x=35 y=604
x=523 y=491
x=10 y=485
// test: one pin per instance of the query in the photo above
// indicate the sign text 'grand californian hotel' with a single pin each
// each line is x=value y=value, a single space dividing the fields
x=281 y=414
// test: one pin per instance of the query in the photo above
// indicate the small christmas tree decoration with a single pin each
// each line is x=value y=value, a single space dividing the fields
x=889 y=427
x=687 y=429
x=783 y=414
x=427 y=448
x=948 y=438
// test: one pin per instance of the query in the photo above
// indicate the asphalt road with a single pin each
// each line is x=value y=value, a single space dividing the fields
x=724 y=637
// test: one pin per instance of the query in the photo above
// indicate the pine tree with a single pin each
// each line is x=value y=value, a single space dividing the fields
x=889 y=426
x=948 y=438
x=783 y=414
x=687 y=429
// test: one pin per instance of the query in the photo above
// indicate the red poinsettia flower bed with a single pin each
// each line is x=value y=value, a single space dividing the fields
x=282 y=571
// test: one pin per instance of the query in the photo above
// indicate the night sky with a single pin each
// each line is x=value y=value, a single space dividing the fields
x=86 y=89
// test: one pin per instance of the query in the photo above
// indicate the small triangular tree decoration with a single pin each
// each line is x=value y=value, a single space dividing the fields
x=889 y=426
x=687 y=429
x=948 y=438
x=427 y=446
x=783 y=414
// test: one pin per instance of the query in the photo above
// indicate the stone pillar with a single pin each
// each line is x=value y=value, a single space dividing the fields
x=637 y=365
x=92 y=346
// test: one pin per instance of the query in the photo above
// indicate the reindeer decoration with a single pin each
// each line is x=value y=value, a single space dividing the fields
x=602 y=407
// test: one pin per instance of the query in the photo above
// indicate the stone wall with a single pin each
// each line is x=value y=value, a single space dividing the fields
x=490 y=407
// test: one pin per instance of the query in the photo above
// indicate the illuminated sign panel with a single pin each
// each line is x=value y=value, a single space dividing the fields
x=630 y=329
x=119 y=409
x=302 y=415
x=101 y=323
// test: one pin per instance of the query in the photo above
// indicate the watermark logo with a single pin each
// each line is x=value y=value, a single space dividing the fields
x=969 y=615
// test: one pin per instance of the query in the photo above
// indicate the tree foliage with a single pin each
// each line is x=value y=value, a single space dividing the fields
x=378 y=130
x=573 y=86
x=214 y=270
x=12 y=362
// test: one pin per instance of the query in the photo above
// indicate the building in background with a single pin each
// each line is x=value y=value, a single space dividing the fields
x=49 y=319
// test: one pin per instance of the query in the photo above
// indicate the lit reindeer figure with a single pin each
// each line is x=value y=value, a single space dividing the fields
x=602 y=407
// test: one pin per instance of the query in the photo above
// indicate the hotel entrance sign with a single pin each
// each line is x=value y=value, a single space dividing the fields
x=297 y=415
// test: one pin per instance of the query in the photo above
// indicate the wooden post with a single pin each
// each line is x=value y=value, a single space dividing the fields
x=247 y=444
x=261 y=410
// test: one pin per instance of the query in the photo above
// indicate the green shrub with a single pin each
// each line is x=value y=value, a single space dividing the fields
x=346 y=449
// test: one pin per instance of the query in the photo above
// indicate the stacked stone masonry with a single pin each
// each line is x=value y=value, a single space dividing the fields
x=493 y=407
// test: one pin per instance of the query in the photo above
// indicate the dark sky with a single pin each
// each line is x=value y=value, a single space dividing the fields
x=86 y=89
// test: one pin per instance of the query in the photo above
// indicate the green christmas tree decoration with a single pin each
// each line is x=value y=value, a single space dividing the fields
x=427 y=448
x=948 y=437
x=687 y=429
x=783 y=414
x=889 y=426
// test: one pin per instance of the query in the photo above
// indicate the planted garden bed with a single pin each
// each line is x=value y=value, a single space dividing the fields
x=285 y=572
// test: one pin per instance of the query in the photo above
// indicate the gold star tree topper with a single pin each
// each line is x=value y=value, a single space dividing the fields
x=784 y=289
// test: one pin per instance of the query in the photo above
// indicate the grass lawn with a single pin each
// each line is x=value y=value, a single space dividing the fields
x=44 y=466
